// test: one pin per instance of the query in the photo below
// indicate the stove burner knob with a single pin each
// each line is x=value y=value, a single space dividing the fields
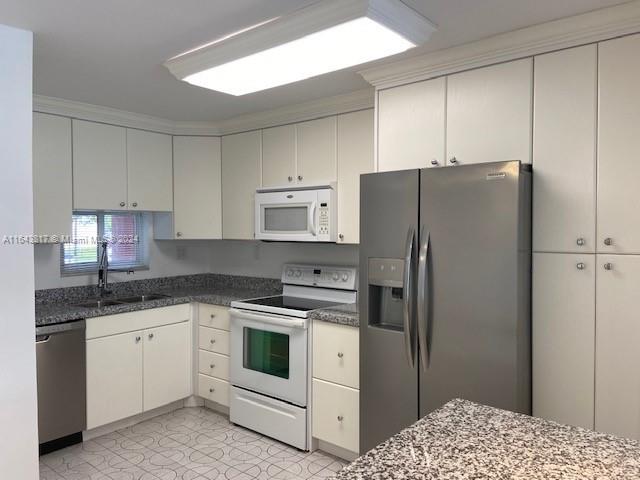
x=335 y=276
x=289 y=272
x=345 y=277
x=298 y=273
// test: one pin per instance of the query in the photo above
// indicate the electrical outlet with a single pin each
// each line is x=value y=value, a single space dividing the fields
x=181 y=252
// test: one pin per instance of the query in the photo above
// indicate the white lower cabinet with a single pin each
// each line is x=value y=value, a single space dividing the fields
x=563 y=336
x=114 y=378
x=336 y=353
x=618 y=345
x=336 y=414
x=213 y=353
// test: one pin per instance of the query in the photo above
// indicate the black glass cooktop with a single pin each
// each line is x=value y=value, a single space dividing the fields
x=291 y=303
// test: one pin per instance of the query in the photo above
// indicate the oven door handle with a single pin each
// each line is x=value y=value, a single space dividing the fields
x=271 y=320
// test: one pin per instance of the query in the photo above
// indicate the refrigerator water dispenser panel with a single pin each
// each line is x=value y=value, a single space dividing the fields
x=386 y=293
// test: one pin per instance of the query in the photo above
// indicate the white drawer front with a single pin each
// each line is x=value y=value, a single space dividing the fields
x=213 y=364
x=213 y=389
x=336 y=414
x=213 y=316
x=214 y=340
x=336 y=353
x=139 y=320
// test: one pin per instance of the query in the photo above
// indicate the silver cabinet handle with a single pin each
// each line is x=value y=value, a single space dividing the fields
x=423 y=297
x=178 y=234
x=212 y=366
x=151 y=336
x=213 y=315
x=580 y=242
x=134 y=204
x=434 y=162
x=290 y=178
x=138 y=339
x=407 y=295
x=211 y=390
x=299 y=178
x=341 y=236
x=213 y=340
x=608 y=241
x=340 y=354
x=581 y=266
x=453 y=160
x=340 y=418
x=608 y=266
x=122 y=204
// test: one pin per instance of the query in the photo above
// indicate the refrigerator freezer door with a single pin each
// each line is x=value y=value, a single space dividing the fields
x=388 y=381
x=477 y=286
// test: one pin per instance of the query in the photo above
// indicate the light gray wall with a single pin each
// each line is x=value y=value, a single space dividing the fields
x=18 y=407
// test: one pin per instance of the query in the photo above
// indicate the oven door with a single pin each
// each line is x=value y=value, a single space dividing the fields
x=269 y=355
x=288 y=215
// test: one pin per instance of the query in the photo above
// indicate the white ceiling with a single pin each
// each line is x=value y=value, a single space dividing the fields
x=110 y=52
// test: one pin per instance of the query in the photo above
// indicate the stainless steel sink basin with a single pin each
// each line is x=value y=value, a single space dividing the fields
x=99 y=303
x=143 y=298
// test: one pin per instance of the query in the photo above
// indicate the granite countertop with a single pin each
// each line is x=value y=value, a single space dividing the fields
x=464 y=440
x=346 y=314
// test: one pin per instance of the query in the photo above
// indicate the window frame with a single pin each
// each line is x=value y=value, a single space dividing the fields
x=87 y=268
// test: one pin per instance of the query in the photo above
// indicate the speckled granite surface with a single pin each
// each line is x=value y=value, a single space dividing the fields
x=343 y=314
x=465 y=441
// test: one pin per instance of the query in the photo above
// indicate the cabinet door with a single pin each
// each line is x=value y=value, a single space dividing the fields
x=197 y=204
x=563 y=336
x=241 y=155
x=99 y=166
x=617 y=346
x=336 y=415
x=355 y=157
x=316 y=151
x=411 y=122
x=149 y=167
x=167 y=364
x=278 y=156
x=489 y=114
x=564 y=150
x=114 y=378
x=618 y=145
x=336 y=353
x=52 y=182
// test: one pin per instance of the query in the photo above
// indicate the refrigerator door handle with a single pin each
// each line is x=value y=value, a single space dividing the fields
x=407 y=296
x=423 y=307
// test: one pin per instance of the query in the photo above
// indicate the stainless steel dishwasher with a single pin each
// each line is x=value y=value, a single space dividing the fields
x=61 y=371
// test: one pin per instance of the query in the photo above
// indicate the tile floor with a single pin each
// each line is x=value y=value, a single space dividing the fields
x=188 y=444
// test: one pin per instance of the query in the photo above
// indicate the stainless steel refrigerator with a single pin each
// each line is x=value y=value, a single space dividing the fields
x=445 y=277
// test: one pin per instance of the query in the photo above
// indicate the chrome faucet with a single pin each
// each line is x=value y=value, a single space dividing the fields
x=103 y=269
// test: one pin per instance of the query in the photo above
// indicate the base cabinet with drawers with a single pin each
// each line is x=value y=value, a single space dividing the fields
x=213 y=353
x=335 y=385
x=136 y=362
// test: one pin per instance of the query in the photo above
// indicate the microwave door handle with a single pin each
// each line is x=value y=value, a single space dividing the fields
x=312 y=219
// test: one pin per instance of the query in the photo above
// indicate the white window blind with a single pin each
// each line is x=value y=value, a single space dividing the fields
x=124 y=232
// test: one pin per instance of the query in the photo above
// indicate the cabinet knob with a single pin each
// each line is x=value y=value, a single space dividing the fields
x=211 y=390
x=434 y=162
x=213 y=340
x=341 y=236
x=290 y=178
x=453 y=160
x=213 y=315
x=138 y=339
x=340 y=354
x=212 y=365
x=134 y=204
x=608 y=241
x=580 y=242
x=299 y=178
x=151 y=336
x=178 y=234
x=122 y=204
x=340 y=418
x=581 y=266
x=608 y=266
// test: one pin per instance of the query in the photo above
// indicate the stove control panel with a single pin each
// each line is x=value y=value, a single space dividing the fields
x=327 y=276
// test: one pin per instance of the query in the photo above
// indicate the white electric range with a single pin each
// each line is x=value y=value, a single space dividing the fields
x=270 y=358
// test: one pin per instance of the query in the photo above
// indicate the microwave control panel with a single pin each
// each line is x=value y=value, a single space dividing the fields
x=325 y=223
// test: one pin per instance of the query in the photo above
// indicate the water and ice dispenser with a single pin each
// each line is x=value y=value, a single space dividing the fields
x=386 y=293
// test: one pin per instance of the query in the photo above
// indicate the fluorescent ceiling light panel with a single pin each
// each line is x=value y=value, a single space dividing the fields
x=325 y=37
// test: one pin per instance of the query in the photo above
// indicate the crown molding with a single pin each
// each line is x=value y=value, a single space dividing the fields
x=567 y=32
x=348 y=102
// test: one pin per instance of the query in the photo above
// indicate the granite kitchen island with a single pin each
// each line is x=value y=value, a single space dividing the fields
x=464 y=440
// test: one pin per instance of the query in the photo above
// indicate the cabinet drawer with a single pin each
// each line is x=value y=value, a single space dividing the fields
x=213 y=389
x=213 y=316
x=336 y=353
x=336 y=414
x=213 y=364
x=134 y=321
x=214 y=340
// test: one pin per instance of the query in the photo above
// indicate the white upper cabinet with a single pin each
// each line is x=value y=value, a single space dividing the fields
x=563 y=336
x=99 y=166
x=489 y=114
x=618 y=145
x=52 y=180
x=316 y=151
x=564 y=150
x=279 y=156
x=149 y=168
x=617 y=341
x=197 y=196
x=355 y=157
x=241 y=154
x=411 y=122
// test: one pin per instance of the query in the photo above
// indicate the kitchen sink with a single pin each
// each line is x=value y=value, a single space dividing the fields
x=99 y=303
x=143 y=298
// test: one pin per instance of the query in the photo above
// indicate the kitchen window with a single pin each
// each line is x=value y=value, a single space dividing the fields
x=124 y=232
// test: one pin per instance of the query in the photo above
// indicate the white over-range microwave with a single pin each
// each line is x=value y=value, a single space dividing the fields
x=298 y=214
